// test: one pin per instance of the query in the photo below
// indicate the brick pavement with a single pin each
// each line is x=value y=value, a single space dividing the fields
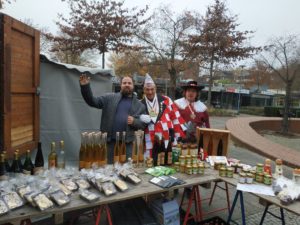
x=243 y=133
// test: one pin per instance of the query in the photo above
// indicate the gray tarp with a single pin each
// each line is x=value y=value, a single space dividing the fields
x=63 y=112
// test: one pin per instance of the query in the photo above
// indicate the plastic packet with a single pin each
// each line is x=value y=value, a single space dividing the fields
x=29 y=199
x=121 y=185
x=13 y=200
x=3 y=207
x=24 y=189
x=42 y=201
x=65 y=190
x=133 y=179
x=109 y=188
x=82 y=183
x=60 y=198
x=69 y=184
x=88 y=195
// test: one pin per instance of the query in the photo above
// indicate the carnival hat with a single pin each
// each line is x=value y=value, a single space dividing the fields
x=192 y=84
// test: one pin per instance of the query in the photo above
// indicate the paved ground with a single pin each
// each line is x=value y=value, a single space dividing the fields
x=253 y=209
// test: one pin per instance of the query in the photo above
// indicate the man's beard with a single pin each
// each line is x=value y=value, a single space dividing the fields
x=126 y=92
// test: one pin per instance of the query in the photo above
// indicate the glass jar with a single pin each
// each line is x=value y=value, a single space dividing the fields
x=195 y=168
x=249 y=178
x=259 y=168
x=259 y=177
x=201 y=168
x=182 y=160
x=242 y=178
x=189 y=169
x=194 y=159
x=184 y=150
x=182 y=168
x=188 y=159
x=239 y=168
x=267 y=167
x=222 y=172
x=176 y=166
x=296 y=176
x=278 y=168
x=193 y=149
x=229 y=172
x=267 y=179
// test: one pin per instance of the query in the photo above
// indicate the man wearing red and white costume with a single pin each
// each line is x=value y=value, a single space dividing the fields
x=193 y=111
x=165 y=119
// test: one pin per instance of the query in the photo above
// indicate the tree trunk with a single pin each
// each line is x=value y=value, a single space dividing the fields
x=211 y=70
x=103 y=60
x=287 y=105
x=172 y=87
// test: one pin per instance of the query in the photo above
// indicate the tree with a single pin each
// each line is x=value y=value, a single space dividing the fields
x=259 y=75
x=102 y=25
x=282 y=56
x=162 y=38
x=218 y=41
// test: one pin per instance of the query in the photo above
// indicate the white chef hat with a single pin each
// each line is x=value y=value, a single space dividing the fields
x=148 y=81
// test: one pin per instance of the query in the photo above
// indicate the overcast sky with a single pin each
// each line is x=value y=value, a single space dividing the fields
x=268 y=18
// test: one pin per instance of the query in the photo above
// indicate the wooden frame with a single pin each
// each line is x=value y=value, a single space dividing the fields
x=19 y=81
x=211 y=139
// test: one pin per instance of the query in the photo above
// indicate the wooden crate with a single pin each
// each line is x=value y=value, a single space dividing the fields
x=212 y=138
x=19 y=81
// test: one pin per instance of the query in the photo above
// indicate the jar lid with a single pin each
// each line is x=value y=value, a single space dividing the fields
x=187 y=156
x=188 y=166
x=250 y=175
x=278 y=161
x=267 y=175
x=229 y=169
x=182 y=157
x=176 y=163
x=242 y=174
x=223 y=168
x=259 y=164
x=268 y=161
x=296 y=171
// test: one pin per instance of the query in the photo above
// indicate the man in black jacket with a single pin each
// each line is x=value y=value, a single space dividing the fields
x=120 y=112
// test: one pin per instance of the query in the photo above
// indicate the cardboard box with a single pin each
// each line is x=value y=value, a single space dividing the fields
x=166 y=212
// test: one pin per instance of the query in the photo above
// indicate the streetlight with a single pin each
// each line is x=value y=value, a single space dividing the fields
x=239 y=97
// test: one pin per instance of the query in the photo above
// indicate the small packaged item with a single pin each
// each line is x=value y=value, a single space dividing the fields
x=108 y=188
x=13 y=200
x=28 y=198
x=71 y=185
x=60 y=198
x=88 y=195
x=134 y=179
x=82 y=183
x=22 y=190
x=3 y=207
x=65 y=190
x=42 y=201
x=98 y=185
x=121 y=185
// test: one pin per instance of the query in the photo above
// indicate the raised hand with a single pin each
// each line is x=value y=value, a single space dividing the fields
x=84 y=79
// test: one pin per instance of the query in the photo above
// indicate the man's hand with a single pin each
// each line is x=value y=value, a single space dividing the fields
x=130 y=120
x=84 y=79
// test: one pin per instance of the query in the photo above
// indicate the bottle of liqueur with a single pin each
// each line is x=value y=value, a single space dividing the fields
x=134 y=150
x=98 y=148
x=2 y=167
x=39 y=160
x=123 y=149
x=16 y=167
x=103 y=158
x=52 y=157
x=7 y=166
x=162 y=152
x=82 y=151
x=61 y=159
x=168 y=156
x=19 y=159
x=117 y=149
x=141 y=147
x=28 y=165
x=89 y=151
x=155 y=151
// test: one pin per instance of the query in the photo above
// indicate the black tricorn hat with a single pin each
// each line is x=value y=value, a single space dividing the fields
x=192 y=84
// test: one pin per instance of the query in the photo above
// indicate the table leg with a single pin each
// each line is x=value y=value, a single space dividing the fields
x=237 y=194
x=108 y=214
x=264 y=214
x=282 y=216
x=242 y=208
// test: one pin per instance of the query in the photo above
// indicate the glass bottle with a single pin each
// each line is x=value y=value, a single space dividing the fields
x=155 y=151
x=7 y=166
x=220 y=148
x=61 y=159
x=98 y=148
x=141 y=147
x=2 y=167
x=104 y=149
x=134 y=149
x=39 y=160
x=19 y=159
x=28 y=165
x=117 y=149
x=162 y=152
x=168 y=156
x=267 y=167
x=278 y=168
x=16 y=167
x=82 y=151
x=123 y=149
x=52 y=157
x=89 y=151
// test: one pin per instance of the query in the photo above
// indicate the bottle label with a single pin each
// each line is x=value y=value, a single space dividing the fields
x=51 y=164
x=169 y=158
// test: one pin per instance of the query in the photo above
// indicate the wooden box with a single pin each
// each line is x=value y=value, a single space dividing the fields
x=19 y=81
x=212 y=139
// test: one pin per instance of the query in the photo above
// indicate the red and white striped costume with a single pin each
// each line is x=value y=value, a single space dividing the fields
x=195 y=112
x=168 y=118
